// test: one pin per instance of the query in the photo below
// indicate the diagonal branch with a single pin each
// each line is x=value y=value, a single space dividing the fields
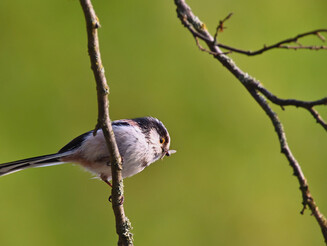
x=259 y=93
x=122 y=223
x=307 y=199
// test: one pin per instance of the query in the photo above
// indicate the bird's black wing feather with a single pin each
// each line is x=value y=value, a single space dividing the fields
x=75 y=143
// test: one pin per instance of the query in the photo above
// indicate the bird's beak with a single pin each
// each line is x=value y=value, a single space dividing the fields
x=167 y=153
x=170 y=152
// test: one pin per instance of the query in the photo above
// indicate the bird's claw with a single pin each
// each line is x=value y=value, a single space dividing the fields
x=121 y=202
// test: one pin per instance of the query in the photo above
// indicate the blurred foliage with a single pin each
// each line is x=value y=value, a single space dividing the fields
x=228 y=184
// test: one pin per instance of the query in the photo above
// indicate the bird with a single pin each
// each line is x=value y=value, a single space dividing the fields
x=141 y=142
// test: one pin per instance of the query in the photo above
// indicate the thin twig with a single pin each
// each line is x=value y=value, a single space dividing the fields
x=221 y=27
x=302 y=47
x=203 y=49
x=195 y=26
x=122 y=223
x=318 y=118
x=281 y=44
x=308 y=105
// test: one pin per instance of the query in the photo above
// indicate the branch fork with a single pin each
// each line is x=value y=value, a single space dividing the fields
x=261 y=94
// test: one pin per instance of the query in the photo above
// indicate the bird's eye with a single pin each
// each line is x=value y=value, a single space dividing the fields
x=162 y=140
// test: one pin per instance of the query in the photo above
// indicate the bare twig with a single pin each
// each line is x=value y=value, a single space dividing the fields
x=281 y=44
x=302 y=47
x=308 y=105
x=122 y=223
x=203 y=49
x=260 y=93
x=221 y=27
x=318 y=118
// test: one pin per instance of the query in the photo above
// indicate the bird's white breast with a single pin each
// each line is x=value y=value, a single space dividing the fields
x=133 y=147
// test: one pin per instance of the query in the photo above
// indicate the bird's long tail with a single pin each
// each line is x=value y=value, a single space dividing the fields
x=40 y=161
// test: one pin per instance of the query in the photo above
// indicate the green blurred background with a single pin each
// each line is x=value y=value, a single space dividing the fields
x=228 y=184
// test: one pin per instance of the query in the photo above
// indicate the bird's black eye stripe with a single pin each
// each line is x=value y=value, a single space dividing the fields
x=148 y=123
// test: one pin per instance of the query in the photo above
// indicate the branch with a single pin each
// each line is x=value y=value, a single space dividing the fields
x=308 y=105
x=122 y=223
x=281 y=44
x=260 y=93
x=221 y=26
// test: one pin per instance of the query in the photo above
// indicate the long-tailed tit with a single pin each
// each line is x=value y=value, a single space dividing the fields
x=140 y=141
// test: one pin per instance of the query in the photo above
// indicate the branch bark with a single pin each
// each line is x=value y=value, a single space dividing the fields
x=260 y=94
x=123 y=225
